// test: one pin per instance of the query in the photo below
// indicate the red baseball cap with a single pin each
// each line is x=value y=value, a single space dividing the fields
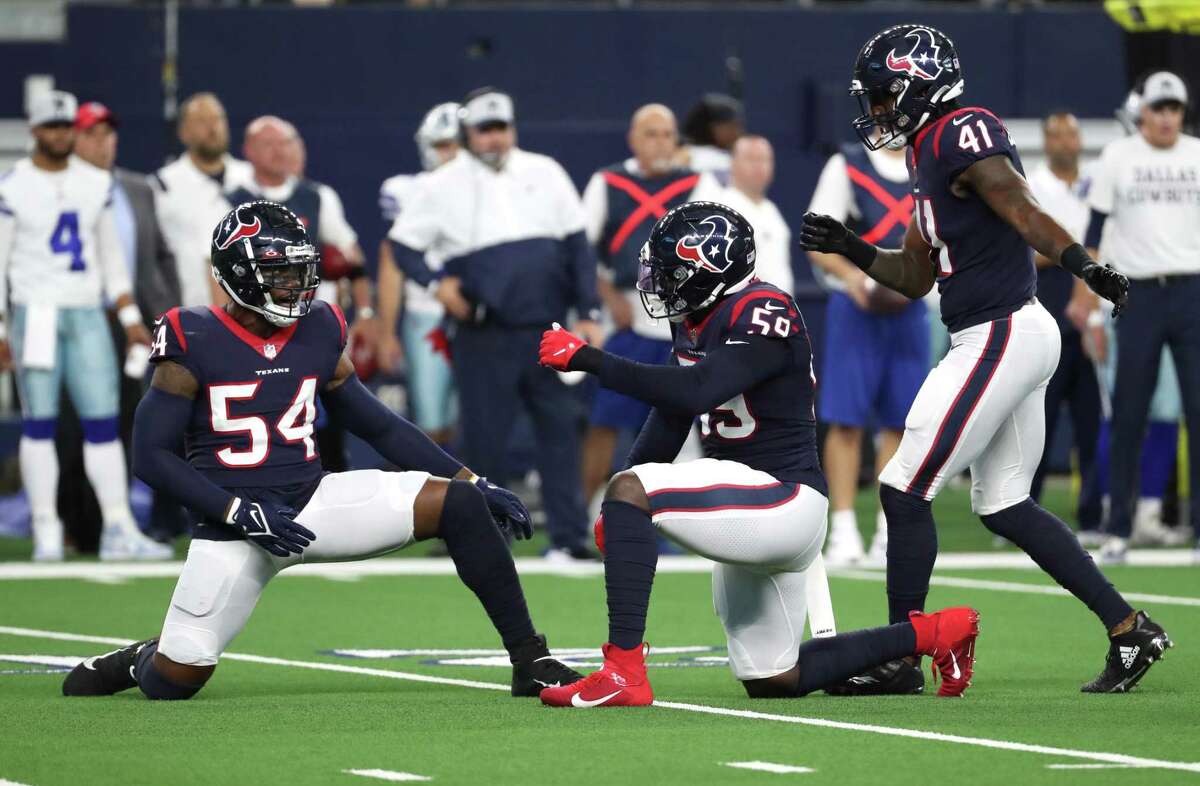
x=94 y=112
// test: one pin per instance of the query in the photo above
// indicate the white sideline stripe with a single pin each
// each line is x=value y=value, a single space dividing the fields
x=528 y=566
x=766 y=766
x=1091 y=767
x=1016 y=586
x=387 y=775
x=10 y=783
x=981 y=742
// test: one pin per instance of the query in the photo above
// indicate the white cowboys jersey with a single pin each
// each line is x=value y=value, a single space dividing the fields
x=394 y=194
x=64 y=246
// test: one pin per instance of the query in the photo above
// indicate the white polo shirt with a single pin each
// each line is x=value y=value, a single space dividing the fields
x=1152 y=198
x=190 y=203
x=1065 y=202
x=58 y=238
x=772 y=237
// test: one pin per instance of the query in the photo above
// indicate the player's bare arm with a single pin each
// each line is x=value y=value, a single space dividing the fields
x=1001 y=186
x=174 y=379
x=908 y=270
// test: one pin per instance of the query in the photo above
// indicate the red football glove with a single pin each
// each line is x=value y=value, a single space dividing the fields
x=558 y=347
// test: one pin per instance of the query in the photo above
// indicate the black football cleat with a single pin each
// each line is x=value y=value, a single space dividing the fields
x=894 y=678
x=535 y=669
x=104 y=675
x=1130 y=656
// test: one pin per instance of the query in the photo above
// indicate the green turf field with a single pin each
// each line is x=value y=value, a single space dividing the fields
x=285 y=718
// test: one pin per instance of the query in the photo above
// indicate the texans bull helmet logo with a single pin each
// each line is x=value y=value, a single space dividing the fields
x=230 y=234
x=710 y=252
x=923 y=61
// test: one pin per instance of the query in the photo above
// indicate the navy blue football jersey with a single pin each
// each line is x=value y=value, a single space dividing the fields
x=251 y=431
x=985 y=268
x=772 y=427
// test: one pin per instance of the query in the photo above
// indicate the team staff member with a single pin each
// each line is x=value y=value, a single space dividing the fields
x=1060 y=189
x=192 y=198
x=876 y=382
x=1145 y=198
x=427 y=369
x=751 y=171
x=510 y=227
x=59 y=256
x=622 y=203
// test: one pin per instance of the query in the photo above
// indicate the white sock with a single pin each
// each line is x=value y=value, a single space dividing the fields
x=880 y=525
x=104 y=463
x=39 y=474
x=843 y=521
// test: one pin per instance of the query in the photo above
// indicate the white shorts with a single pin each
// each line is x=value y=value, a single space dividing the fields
x=762 y=533
x=983 y=407
x=354 y=515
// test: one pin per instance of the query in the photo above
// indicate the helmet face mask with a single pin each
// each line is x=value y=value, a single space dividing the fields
x=696 y=253
x=261 y=257
x=904 y=77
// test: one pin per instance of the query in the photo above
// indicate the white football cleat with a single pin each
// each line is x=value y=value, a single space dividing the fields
x=1090 y=538
x=1114 y=551
x=1150 y=531
x=47 y=540
x=126 y=543
x=844 y=547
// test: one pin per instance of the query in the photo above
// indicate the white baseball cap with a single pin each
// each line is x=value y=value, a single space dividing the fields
x=1163 y=86
x=53 y=106
x=490 y=106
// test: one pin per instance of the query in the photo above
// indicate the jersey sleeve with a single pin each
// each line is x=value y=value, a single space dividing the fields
x=767 y=314
x=969 y=137
x=170 y=342
x=335 y=313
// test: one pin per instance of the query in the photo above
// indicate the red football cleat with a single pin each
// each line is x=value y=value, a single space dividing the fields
x=621 y=682
x=948 y=636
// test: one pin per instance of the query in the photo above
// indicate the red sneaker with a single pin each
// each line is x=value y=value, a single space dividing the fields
x=621 y=682
x=948 y=636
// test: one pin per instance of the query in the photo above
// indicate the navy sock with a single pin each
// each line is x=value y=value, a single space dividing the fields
x=630 y=558
x=911 y=550
x=154 y=684
x=484 y=562
x=1056 y=550
x=1158 y=457
x=830 y=660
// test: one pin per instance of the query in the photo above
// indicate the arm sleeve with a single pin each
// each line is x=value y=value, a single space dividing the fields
x=660 y=439
x=158 y=427
x=691 y=390
x=335 y=229
x=393 y=437
x=413 y=263
x=595 y=207
x=833 y=196
x=111 y=255
x=1095 y=229
x=970 y=137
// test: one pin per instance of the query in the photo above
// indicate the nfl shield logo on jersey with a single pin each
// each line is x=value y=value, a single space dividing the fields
x=269 y=351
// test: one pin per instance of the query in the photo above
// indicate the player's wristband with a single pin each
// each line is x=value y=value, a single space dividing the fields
x=129 y=315
x=1095 y=319
x=1076 y=259
x=860 y=252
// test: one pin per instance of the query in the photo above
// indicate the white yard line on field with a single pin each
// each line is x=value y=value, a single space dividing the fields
x=766 y=766
x=918 y=734
x=10 y=783
x=1016 y=586
x=1092 y=767
x=389 y=775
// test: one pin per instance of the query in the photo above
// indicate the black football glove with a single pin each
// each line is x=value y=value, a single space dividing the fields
x=1108 y=284
x=507 y=509
x=830 y=236
x=274 y=530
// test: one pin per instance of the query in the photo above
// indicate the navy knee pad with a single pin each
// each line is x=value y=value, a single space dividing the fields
x=154 y=684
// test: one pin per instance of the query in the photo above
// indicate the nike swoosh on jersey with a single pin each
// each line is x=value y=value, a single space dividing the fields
x=579 y=701
x=958 y=121
x=954 y=661
x=773 y=307
x=731 y=341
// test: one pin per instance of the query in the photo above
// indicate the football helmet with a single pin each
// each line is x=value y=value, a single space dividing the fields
x=261 y=256
x=916 y=68
x=440 y=125
x=696 y=253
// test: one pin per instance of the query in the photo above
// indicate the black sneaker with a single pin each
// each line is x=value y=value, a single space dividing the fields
x=534 y=668
x=894 y=678
x=104 y=675
x=1130 y=656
